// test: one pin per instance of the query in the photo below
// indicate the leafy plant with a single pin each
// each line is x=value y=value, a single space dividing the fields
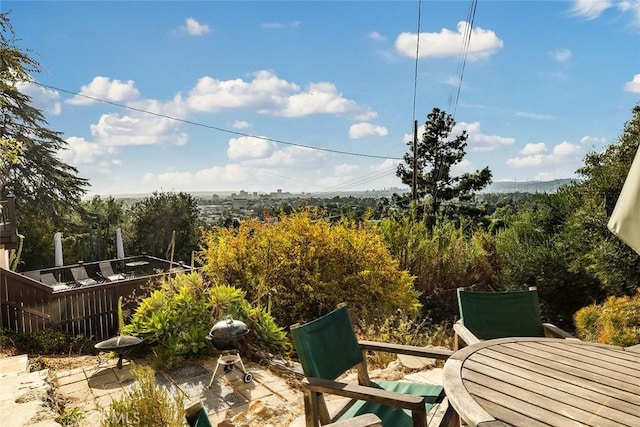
x=71 y=417
x=616 y=321
x=146 y=404
x=176 y=319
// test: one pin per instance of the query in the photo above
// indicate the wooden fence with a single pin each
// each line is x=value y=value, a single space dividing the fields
x=27 y=305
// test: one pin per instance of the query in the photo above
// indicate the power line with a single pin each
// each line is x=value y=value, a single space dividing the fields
x=219 y=129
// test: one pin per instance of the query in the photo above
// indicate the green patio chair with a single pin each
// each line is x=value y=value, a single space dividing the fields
x=196 y=416
x=327 y=347
x=488 y=315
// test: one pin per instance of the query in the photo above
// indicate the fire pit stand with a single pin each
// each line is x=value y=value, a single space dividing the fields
x=225 y=336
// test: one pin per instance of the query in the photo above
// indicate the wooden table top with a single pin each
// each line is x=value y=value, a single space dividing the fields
x=544 y=382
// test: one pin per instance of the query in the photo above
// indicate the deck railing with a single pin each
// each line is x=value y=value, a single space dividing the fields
x=27 y=305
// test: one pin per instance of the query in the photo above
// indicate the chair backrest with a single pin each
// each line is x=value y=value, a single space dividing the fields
x=79 y=273
x=501 y=314
x=327 y=347
x=106 y=269
x=48 y=279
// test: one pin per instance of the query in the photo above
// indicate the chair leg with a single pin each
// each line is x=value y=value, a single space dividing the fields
x=310 y=418
x=419 y=418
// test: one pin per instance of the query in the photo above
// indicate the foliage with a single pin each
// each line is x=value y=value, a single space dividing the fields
x=434 y=156
x=34 y=174
x=604 y=256
x=176 y=318
x=71 y=417
x=302 y=266
x=153 y=221
x=442 y=260
x=616 y=321
x=406 y=329
x=145 y=404
x=47 y=341
x=537 y=249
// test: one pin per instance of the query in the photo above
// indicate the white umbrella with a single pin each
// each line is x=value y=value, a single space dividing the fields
x=119 y=245
x=625 y=219
x=57 y=243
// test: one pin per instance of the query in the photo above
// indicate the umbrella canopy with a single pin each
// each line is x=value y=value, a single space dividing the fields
x=625 y=219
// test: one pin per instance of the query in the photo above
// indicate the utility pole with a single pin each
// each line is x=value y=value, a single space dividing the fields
x=414 y=166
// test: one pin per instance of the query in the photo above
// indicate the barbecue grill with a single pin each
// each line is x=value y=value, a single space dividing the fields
x=226 y=337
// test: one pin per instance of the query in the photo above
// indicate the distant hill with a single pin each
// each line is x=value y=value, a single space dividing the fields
x=527 y=186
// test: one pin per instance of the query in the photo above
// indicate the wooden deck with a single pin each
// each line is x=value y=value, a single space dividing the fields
x=29 y=305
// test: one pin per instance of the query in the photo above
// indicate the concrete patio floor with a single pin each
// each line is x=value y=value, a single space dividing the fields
x=92 y=389
x=268 y=400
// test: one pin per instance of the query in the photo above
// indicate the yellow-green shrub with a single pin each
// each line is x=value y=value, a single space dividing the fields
x=616 y=321
x=145 y=404
x=302 y=266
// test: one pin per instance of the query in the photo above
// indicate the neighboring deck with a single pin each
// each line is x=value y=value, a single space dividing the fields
x=30 y=302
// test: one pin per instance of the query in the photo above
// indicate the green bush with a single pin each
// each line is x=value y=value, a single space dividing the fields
x=175 y=319
x=145 y=404
x=442 y=259
x=47 y=341
x=616 y=321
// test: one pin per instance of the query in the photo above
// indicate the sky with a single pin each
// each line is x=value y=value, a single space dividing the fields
x=322 y=96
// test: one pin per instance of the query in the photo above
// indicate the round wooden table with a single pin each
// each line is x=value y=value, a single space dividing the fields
x=544 y=381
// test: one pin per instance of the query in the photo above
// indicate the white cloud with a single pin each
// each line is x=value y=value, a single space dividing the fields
x=585 y=140
x=634 y=85
x=364 y=130
x=279 y=25
x=346 y=169
x=526 y=161
x=319 y=98
x=374 y=35
x=465 y=166
x=565 y=149
x=452 y=81
x=479 y=141
x=482 y=44
x=241 y=124
x=41 y=97
x=80 y=151
x=137 y=128
x=246 y=147
x=289 y=156
x=563 y=154
x=532 y=149
x=562 y=55
x=202 y=179
x=534 y=115
x=590 y=9
x=194 y=28
x=106 y=89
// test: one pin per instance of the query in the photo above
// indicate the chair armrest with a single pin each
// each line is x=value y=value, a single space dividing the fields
x=370 y=394
x=555 y=331
x=429 y=352
x=464 y=334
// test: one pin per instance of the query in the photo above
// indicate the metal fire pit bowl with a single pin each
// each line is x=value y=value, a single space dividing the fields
x=121 y=345
x=225 y=337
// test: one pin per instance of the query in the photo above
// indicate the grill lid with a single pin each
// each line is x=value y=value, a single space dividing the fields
x=228 y=329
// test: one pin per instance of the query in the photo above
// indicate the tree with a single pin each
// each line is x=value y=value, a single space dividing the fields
x=153 y=221
x=33 y=172
x=436 y=155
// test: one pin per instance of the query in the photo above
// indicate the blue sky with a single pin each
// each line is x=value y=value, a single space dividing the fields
x=327 y=87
